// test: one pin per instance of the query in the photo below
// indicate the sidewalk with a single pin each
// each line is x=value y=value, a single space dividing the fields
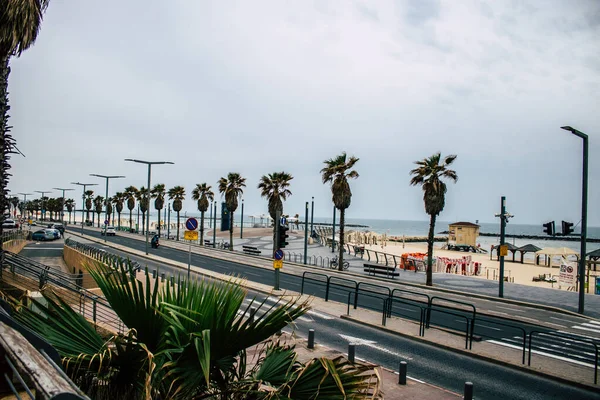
x=555 y=369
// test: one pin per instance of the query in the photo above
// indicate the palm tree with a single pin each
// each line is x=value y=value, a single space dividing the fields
x=177 y=194
x=274 y=187
x=14 y=201
x=428 y=174
x=20 y=23
x=131 y=194
x=98 y=203
x=188 y=341
x=143 y=201
x=118 y=200
x=337 y=171
x=203 y=195
x=88 y=203
x=50 y=207
x=158 y=193
x=70 y=204
x=232 y=188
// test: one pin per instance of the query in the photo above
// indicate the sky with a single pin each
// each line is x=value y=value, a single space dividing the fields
x=265 y=86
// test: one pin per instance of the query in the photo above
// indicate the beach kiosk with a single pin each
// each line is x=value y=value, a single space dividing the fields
x=463 y=234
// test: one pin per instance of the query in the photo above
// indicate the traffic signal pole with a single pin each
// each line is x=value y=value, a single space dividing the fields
x=502 y=238
x=276 y=246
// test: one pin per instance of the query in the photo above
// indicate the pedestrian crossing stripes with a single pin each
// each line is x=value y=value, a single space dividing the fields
x=566 y=348
x=270 y=301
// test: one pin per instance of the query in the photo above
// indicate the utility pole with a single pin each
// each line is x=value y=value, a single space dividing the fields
x=62 y=209
x=306 y=233
x=43 y=207
x=83 y=200
x=277 y=222
x=333 y=233
x=503 y=250
x=106 y=202
x=25 y=201
x=312 y=214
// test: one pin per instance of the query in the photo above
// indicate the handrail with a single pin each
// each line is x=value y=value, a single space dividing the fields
x=384 y=298
x=331 y=277
x=455 y=302
x=387 y=312
x=468 y=337
x=371 y=291
x=413 y=293
x=569 y=336
x=488 y=320
x=326 y=282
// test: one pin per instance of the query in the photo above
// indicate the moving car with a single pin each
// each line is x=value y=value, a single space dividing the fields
x=9 y=224
x=55 y=233
x=59 y=227
x=110 y=231
x=42 y=235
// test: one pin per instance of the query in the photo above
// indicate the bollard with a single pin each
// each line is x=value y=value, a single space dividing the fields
x=351 y=352
x=252 y=312
x=311 y=338
x=468 y=391
x=402 y=376
x=172 y=280
x=162 y=277
x=153 y=274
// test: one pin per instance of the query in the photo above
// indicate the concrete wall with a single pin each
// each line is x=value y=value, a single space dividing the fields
x=77 y=264
x=15 y=246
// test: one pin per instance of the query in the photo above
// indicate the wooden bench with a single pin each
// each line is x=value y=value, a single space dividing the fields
x=377 y=269
x=251 y=250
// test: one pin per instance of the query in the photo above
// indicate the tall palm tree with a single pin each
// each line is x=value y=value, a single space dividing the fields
x=88 y=203
x=14 y=201
x=177 y=194
x=20 y=23
x=70 y=204
x=50 y=207
x=131 y=193
x=158 y=193
x=274 y=187
x=144 y=202
x=189 y=341
x=232 y=188
x=337 y=171
x=428 y=174
x=203 y=195
x=98 y=203
x=118 y=200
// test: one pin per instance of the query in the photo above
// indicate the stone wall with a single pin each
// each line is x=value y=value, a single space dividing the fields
x=77 y=263
x=14 y=246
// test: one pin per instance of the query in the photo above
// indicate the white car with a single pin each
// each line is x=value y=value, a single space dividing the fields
x=9 y=224
x=110 y=231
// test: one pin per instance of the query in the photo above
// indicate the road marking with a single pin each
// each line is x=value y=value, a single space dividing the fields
x=410 y=377
x=320 y=315
x=583 y=328
x=489 y=327
x=564 y=320
x=372 y=344
x=511 y=309
x=579 y=334
x=542 y=353
x=594 y=322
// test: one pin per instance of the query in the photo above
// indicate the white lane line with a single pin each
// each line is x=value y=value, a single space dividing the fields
x=410 y=377
x=320 y=315
x=510 y=309
x=583 y=328
x=372 y=344
x=543 y=354
x=580 y=334
x=489 y=327
x=594 y=322
x=564 y=320
x=592 y=325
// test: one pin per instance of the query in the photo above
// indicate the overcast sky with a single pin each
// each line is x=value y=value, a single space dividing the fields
x=263 y=86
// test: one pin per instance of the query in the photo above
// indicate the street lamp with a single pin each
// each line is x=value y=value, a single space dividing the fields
x=149 y=164
x=62 y=209
x=43 y=208
x=83 y=200
x=107 y=177
x=25 y=201
x=584 y=190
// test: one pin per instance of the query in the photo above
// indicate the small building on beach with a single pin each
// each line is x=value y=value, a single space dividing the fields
x=463 y=234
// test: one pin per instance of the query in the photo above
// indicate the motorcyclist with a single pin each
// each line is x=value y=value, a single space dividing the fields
x=154 y=241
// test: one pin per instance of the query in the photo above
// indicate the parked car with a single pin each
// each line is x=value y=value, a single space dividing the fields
x=9 y=224
x=42 y=235
x=110 y=231
x=59 y=227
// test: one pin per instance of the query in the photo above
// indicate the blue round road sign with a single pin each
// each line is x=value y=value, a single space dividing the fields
x=191 y=224
x=105 y=222
x=279 y=254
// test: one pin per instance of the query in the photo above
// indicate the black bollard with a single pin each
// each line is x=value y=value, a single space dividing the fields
x=402 y=376
x=351 y=352
x=153 y=273
x=162 y=277
x=311 y=338
x=468 y=391
x=252 y=312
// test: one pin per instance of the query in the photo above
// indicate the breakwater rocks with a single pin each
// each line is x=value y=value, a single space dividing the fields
x=337 y=224
x=536 y=237
x=417 y=239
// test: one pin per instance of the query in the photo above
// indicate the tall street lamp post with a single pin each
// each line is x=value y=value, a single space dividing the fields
x=83 y=200
x=584 y=191
x=149 y=164
x=312 y=214
x=62 y=209
x=502 y=250
x=25 y=200
x=43 y=208
x=106 y=202
x=242 y=222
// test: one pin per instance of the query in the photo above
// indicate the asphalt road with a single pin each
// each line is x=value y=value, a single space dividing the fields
x=428 y=363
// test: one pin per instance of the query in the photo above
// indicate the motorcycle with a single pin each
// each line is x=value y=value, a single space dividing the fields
x=154 y=242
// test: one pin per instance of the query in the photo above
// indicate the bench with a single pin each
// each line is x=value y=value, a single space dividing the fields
x=377 y=269
x=251 y=250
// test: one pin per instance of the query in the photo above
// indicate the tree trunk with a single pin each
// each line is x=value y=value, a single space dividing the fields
x=177 y=225
x=4 y=107
x=130 y=220
x=429 y=281
x=341 y=244
x=202 y=228
x=143 y=222
x=158 y=222
x=119 y=221
x=69 y=217
x=231 y=232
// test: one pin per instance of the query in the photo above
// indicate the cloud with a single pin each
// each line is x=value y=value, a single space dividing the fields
x=259 y=87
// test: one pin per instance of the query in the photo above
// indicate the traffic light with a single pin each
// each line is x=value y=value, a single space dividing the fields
x=281 y=240
x=549 y=228
x=567 y=228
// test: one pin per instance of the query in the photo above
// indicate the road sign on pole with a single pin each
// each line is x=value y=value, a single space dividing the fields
x=105 y=222
x=283 y=221
x=191 y=224
x=278 y=254
x=277 y=264
x=190 y=235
